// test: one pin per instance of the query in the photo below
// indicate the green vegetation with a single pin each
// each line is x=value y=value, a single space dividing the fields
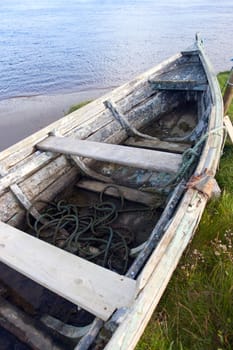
x=77 y=106
x=196 y=311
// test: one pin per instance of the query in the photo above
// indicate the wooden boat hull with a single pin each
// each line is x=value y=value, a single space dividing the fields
x=29 y=174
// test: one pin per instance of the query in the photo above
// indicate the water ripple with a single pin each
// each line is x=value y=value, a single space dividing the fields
x=72 y=45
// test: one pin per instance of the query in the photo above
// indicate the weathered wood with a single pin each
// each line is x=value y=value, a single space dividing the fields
x=143 y=114
x=24 y=201
x=22 y=198
x=228 y=94
x=229 y=127
x=157 y=145
x=190 y=52
x=120 y=118
x=188 y=74
x=139 y=158
x=21 y=172
x=178 y=85
x=17 y=219
x=128 y=193
x=25 y=328
x=216 y=192
x=33 y=185
x=96 y=289
x=215 y=119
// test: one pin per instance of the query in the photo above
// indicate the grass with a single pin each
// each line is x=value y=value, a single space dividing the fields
x=77 y=106
x=196 y=311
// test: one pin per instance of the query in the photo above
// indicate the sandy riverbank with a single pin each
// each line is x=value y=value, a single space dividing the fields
x=22 y=116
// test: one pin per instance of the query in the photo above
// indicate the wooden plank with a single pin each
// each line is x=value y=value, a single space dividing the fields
x=229 y=127
x=25 y=170
x=228 y=93
x=191 y=52
x=178 y=85
x=128 y=193
x=92 y=287
x=17 y=217
x=33 y=186
x=186 y=74
x=139 y=158
x=183 y=72
x=157 y=145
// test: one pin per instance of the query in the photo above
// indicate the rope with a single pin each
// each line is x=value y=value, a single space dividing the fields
x=188 y=162
x=89 y=232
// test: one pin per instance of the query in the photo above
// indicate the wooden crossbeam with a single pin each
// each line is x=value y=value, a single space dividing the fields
x=178 y=85
x=90 y=286
x=189 y=76
x=128 y=156
x=229 y=127
x=157 y=145
x=154 y=200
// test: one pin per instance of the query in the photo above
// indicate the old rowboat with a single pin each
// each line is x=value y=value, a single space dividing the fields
x=98 y=207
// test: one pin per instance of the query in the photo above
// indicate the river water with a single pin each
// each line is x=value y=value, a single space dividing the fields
x=59 y=46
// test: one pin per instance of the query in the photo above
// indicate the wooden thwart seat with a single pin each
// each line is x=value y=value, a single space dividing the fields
x=128 y=156
x=178 y=85
x=229 y=127
x=189 y=76
x=96 y=289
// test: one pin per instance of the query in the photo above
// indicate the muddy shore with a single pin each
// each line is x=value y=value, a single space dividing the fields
x=22 y=116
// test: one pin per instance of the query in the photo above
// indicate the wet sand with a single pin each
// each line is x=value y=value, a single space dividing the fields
x=22 y=116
